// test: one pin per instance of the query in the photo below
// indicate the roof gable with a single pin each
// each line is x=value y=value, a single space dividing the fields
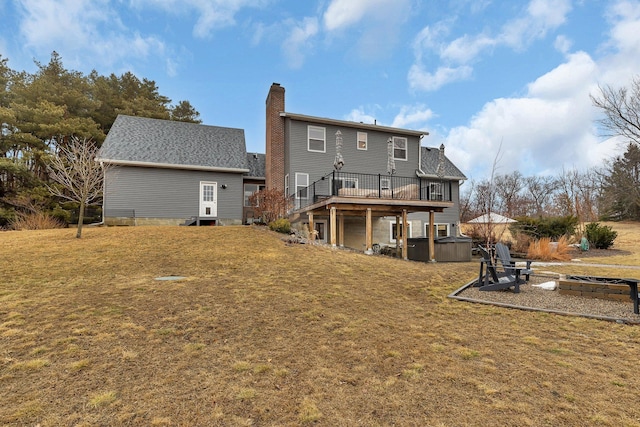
x=431 y=158
x=165 y=143
x=257 y=165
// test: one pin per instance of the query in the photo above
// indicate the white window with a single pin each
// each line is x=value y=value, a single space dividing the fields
x=435 y=191
x=316 y=139
x=321 y=229
x=362 y=140
x=399 y=148
x=249 y=189
x=439 y=230
x=346 y=183
x=385 y=184
x=392 y=231
x=286 y=185
x=302 y=184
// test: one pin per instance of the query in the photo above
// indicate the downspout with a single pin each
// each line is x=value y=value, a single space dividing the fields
x=419 y=171
x=103 y=191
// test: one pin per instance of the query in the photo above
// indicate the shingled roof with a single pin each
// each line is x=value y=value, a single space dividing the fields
x=431 y=158
x=257 y=164
x=140 y=141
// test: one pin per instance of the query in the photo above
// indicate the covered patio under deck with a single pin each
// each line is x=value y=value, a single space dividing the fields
x=339 y=207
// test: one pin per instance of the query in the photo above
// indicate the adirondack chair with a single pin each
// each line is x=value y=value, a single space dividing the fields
x=491 y=279
x=502 y=252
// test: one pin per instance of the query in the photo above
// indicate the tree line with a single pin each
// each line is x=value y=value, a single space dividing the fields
x=608 y=192
x=41 y=113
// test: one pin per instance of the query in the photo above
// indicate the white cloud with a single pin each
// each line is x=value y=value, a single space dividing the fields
x=466 y=48
x=623 y=60
x=421 y=79
x=377 y=24
x=455 y=56
x=85 y=29
x=299 y=41
x=541 y=17
x=341 y=14
x=360 y=116
x=212 y=14
x=413 y=117
x=548 y=129
x=573 y=78
x=68 y=22
x=562 y=44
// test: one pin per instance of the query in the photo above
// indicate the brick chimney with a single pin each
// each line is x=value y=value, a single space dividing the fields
x=275 y=138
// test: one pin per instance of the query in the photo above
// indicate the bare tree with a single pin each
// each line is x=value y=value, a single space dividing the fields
x=539 y=191
x=270 y=204
x=621 y=108
x=508 y=188
x=78 y=175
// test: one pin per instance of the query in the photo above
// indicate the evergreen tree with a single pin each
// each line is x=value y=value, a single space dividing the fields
x=620 y=196
x=41 y=113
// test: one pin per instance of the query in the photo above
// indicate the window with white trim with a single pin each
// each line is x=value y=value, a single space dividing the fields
x=392 y=231
x=362 y=140
x=435 y=191
x=344 y=182
x=399 y=148
x=320 y=227
x=317 y=140
x=249 y=190
x=286 y=185
x=440 y=230
x=302 y=184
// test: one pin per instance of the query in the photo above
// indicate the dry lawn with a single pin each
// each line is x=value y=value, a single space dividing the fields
x=266 y=334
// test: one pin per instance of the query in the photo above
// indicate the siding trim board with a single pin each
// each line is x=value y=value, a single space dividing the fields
x=357 y=125
x=171 y=166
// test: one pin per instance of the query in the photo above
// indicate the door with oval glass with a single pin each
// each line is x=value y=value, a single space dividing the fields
x=208 y=199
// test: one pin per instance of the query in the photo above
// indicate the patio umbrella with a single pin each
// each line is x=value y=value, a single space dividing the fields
x=441 y=160
x=339 y=162
x=391 y=163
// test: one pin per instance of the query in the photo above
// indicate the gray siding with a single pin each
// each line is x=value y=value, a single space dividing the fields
x=449 y=216
x=169 y=193
x=370 y=161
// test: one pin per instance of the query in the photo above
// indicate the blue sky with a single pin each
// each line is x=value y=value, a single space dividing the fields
x=489 y=79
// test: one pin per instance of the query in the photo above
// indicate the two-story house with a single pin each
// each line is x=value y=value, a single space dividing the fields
x=359 y=184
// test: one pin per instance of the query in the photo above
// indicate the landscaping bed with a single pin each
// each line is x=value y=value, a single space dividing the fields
x=532 y=297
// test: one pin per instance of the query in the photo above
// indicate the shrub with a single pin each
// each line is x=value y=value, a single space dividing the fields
x=600 y=236
x=36 y=221
x=281 y=225
x=552 y=228
x=545 y=250
x=269 y=204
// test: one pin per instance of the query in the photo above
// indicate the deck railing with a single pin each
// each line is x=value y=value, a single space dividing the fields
x=380 y=186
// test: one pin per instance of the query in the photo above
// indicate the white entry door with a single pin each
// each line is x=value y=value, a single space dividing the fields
x=208 y=199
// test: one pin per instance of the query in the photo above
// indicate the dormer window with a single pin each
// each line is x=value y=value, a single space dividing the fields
x=399 y=148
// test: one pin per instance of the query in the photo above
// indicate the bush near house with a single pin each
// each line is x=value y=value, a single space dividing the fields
x=281 y=225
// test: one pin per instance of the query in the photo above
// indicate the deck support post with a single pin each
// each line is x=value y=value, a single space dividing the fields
x=332 y=220
x=432 y=246
x=341 y=230
x=312 y=229
x=398 y=234
x=405 y=235
x=368 y=233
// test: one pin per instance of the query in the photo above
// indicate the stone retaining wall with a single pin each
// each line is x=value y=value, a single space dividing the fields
x=594 y=290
